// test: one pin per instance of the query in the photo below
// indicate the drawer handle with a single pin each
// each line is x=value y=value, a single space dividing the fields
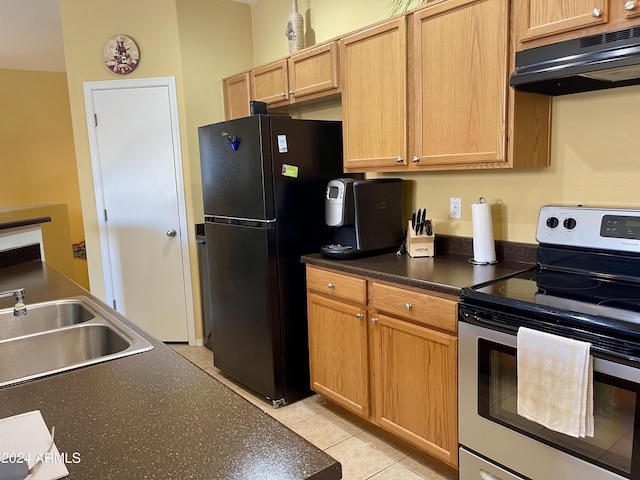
x=330 y=285
x=487 y=476
x=359 y=316
x=407 y=306
x=374 y=320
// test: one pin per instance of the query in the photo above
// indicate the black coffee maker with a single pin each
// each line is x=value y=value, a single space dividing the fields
x=366 y=214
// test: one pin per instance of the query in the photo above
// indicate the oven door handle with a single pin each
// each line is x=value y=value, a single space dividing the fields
x=486 y=321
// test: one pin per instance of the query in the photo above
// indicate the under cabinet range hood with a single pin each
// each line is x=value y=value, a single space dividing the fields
x=606 y=60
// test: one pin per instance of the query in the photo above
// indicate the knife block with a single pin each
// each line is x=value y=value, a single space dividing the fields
x=420 y=245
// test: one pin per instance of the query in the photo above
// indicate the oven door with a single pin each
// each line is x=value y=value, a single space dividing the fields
x=491 y=427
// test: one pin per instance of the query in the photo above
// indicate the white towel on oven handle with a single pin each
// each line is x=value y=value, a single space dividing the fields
x=555 y=382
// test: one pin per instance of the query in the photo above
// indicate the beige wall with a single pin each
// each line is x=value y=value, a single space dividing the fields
x=323 y=20
x=87 y=24
x=196 y=41
x=595 y=147
x=201 y=41
x=38 y=158
x=215 y=42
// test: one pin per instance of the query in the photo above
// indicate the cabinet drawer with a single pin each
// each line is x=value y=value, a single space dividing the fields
x=337 y=285
x=419 y=307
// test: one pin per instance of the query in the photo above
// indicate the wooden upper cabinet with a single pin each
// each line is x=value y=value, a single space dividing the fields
x=270 y=83
x=459 y=84
x=373 y=66
x=541 y=22
x=237 y=94
x=544 y=18
x=314 y=71
x=302 y=76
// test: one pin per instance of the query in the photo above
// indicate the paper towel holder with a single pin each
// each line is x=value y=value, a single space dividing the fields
x=472 y=260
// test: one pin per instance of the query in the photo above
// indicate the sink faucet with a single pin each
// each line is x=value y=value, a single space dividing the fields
x=20 y=308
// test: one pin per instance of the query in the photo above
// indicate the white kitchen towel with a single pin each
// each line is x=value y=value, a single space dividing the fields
x=555 y=382
x=27 y=437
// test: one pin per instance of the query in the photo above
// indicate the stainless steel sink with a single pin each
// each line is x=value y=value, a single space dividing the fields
x=76 y=332
x=42 y=317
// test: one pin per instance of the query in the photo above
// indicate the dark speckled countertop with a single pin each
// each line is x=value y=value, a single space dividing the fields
x=448 y=272
x=154 y=415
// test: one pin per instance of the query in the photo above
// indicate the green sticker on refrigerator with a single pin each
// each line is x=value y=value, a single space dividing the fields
x=289 y=170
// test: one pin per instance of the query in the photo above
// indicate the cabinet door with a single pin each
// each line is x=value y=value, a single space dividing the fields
x=270 y=83
x=374 y=104
x=338 y=353
x=237 y=94
x=416 y=385
x=460 y=84
x=314 y=71
x=544 y=18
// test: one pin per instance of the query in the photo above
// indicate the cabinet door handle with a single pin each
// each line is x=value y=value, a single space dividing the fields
x=282 y=94
x=407 y=306
x=630 y=5
x=596 y=13
x=330 y=286
x=374 y=320
x=399 y=160
x=415 y=159
x=359 y=316
x=291 y=92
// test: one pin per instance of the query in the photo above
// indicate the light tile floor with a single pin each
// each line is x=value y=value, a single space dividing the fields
x=363 y=452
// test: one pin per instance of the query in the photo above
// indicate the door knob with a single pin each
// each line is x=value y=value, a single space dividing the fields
x=171 y=233
x=596 y=13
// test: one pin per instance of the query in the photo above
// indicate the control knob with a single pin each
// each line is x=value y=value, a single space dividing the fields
x=552 y=222
x=569 y=223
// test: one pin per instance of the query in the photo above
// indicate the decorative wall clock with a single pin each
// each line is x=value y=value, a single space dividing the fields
x=121 y=54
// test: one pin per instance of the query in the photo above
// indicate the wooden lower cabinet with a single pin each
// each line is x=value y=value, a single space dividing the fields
x=338 y=352
x=390 y=357
x=415 y=385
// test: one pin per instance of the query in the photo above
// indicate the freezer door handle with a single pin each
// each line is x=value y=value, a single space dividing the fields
x=245 y=222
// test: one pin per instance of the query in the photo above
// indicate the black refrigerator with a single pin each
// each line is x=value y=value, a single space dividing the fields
x=264 y=180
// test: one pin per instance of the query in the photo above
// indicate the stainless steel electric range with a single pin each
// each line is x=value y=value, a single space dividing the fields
x=585 y=286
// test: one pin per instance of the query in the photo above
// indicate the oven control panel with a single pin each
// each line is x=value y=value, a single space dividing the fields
x=590 y=227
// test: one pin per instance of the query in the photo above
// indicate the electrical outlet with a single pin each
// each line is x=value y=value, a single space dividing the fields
x=455 y=207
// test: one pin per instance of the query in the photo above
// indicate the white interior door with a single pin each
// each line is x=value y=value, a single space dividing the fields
x=136 y=159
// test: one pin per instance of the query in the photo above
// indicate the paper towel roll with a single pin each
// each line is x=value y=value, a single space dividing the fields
x=484 y=248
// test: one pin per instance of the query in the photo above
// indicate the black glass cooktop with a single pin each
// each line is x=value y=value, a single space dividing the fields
x=566 y=294
x=601 y=311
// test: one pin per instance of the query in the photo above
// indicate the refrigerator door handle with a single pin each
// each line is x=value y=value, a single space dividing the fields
x=247 y=222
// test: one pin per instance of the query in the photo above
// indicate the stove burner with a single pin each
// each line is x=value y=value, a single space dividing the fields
x=559 y=281
x=632 y=304
x=519 y=291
